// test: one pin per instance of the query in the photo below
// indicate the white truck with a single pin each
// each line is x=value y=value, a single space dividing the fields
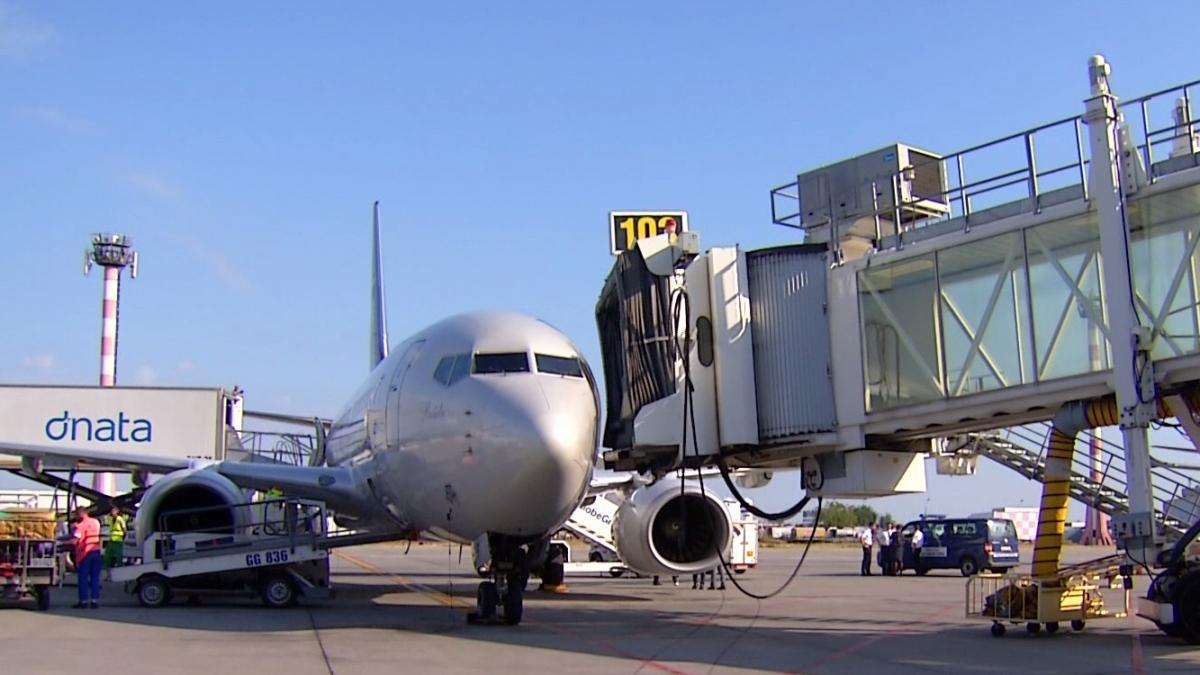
x=743 y=550
x=277 y=550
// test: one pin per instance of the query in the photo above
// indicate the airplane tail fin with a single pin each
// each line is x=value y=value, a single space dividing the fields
x=379 y=340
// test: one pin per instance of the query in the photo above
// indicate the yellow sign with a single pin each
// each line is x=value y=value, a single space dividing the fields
x=625 y=228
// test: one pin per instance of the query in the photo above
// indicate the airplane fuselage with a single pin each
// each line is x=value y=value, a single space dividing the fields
x=482 y=423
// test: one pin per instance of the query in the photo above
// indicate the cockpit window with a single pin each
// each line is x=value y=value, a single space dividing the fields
x=462 y=366
x=451 y=369
x=516 y=362
x=442 y=372
x=559 y=365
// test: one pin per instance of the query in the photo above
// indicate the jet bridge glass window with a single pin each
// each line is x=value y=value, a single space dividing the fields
x=515 y=362
x=559 y=365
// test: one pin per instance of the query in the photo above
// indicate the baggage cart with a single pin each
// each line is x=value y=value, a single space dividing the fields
x=30 y=563
x=1079 y=594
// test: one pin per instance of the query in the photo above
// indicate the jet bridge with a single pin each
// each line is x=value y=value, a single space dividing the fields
x=932 y=295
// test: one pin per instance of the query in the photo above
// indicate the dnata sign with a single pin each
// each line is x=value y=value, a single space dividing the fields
x=102 y=429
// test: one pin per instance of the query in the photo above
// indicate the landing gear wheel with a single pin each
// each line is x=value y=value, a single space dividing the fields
x=153 y=591
x=487 y=598
x=1077 y=625
x=968 y=566
x=43 y=598
x=514 y=598
x=616 y=572
x=1051 y=627
x=1033 y=627
x=921 y=571
x=278 y=592
x=998 y=629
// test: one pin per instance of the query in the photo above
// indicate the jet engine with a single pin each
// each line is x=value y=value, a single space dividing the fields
x=664 y=529
x=191 y=500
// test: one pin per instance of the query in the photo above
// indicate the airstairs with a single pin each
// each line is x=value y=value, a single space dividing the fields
x=1100 y=481
x=592 y=522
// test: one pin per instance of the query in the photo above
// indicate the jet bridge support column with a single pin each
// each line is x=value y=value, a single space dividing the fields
x=1133 y=371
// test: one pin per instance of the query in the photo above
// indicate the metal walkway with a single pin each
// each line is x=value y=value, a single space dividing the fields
x=1100 y=484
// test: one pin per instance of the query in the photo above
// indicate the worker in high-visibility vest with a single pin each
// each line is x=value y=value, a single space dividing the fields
x=114 y=541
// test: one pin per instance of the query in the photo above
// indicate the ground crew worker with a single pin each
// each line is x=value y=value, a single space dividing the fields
x=867 y=539
x=885 y=550
x=918 y=542
x=86 y=537
x=114 y=543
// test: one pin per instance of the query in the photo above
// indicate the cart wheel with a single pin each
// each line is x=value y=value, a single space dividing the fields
x=1052 y=627
x=153 y=591
x=1033 y=627
x=998 y=629
x=1077 y=624
x=278 y=592
x=43 y=598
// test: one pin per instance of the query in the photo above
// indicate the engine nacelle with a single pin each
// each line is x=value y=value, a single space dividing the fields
x=662 y=530
x=191 y=499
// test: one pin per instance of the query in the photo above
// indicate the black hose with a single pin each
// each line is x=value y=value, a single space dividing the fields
x=681 y=305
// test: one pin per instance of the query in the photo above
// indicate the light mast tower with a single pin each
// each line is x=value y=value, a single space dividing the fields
x=113 y=252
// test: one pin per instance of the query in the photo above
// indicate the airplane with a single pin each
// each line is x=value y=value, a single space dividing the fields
x=482 y=428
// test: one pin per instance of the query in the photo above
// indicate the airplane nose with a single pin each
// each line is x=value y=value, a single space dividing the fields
x=543 y=470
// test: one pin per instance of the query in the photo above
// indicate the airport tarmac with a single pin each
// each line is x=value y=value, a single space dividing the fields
x=405 y=613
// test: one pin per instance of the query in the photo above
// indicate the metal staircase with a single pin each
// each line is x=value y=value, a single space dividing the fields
x=1023 y=449
x=592 y=522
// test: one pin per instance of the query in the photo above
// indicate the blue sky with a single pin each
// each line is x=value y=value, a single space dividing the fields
x=241 y=145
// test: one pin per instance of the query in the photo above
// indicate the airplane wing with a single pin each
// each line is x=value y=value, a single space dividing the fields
x=333 y=485
x=62 y=458
x=602 y=483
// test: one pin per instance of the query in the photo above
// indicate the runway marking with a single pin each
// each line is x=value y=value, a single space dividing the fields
x=429 y=591
x=611 y=649
x=1137 y=664
x=867 y=642
x=320 y=643
x=450 y=601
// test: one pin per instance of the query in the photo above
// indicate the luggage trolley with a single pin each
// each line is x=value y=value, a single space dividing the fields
x=1076 y=596
x=273 y=549
x=30 y=563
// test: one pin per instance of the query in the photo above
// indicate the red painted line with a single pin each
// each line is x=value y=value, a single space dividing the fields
x=1137 y=663
x=612 y=649
x=867 y=642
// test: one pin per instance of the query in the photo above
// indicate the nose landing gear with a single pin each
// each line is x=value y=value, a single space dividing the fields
x=502 y=598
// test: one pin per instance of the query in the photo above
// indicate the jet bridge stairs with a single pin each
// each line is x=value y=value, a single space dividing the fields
x=1096 y=481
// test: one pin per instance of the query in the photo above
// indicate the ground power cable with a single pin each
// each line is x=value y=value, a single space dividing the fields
x=681 y=308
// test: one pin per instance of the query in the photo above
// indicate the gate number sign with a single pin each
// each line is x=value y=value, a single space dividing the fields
x=625 y=228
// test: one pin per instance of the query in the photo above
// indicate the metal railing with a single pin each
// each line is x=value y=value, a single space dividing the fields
x=286 y=522
x=285 y=448
x=1011 y=167
x=1024 y=450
